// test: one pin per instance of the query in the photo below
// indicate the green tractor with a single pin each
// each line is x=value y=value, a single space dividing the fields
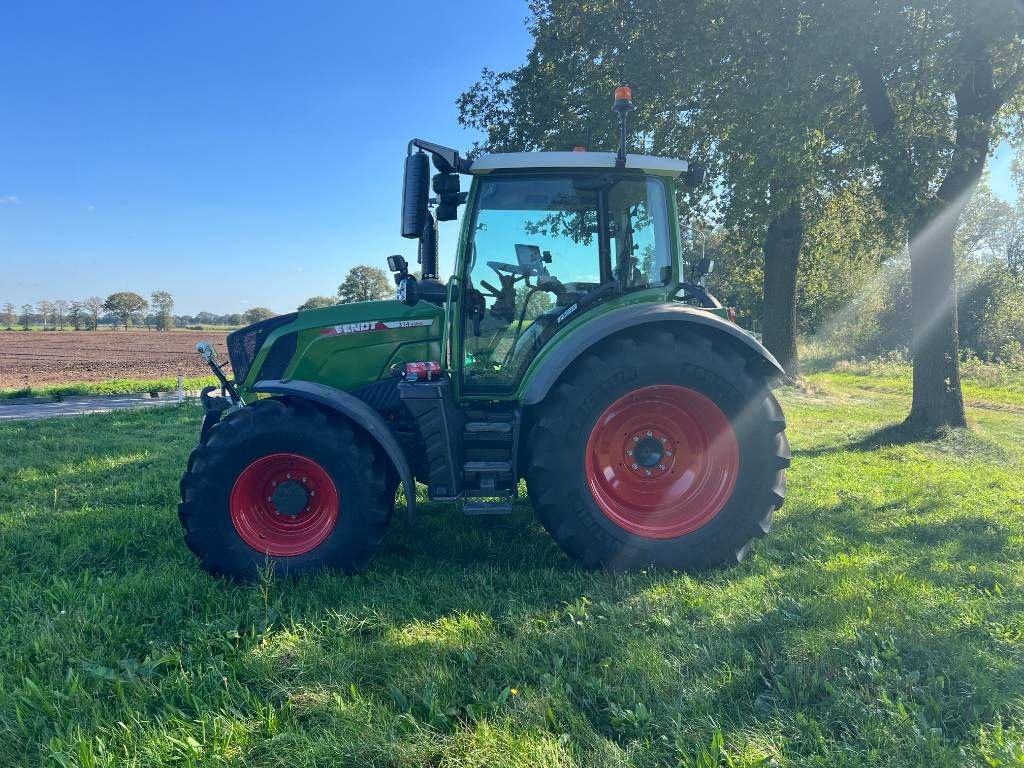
x=570 y=349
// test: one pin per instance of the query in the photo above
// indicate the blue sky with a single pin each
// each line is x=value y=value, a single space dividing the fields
x=234 y=154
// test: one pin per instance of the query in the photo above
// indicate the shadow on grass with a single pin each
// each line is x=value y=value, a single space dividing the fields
x=960 y=442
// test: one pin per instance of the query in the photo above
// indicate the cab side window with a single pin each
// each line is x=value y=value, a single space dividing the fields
x=639 y=238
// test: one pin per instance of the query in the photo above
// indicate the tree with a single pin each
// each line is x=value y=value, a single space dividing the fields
x=318 y=302
x=256 y=314
x=933 y=78
x=60 y=306
x=365 y=283
x=26 y=316
x=9 y=317
x=94 y=304
x=75 y=314
x=710 y=78
x=163 y=303
x=125 y=305
x=45 y=310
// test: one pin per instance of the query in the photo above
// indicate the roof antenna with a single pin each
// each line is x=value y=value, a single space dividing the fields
x=622 y=106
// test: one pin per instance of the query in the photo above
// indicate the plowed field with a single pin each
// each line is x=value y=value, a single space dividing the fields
x=34 y=358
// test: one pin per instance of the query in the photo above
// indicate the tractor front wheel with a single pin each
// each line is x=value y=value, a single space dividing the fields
x=663 y=450
x=279 y=484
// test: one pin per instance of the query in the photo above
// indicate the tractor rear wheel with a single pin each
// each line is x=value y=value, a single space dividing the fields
x=663 y=449
x=279 y=484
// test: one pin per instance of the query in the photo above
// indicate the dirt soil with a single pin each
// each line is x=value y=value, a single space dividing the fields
x=33 y=358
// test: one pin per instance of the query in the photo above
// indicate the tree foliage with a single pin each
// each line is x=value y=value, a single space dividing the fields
x=790 y=104
x=256 y=314
x=318 y=302
x=163 y=303
x=94 y=305
x=365 y=283
x=710 y=78
x=125 y=306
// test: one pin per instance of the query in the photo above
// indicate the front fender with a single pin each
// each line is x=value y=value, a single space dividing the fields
x=360 y=413
x=547 y=369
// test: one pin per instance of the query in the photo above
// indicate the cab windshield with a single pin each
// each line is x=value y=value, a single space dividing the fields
x=543 y=250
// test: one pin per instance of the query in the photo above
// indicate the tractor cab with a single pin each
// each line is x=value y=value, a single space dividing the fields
x=547 y=239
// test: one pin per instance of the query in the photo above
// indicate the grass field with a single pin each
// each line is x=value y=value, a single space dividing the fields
x=110 y=387
x=881 y=624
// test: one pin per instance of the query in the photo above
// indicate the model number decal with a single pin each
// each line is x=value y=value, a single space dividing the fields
x=567 y=312
x=367 y=326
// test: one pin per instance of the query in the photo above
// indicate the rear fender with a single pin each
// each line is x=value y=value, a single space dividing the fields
x=547 y=370
x=359 y=413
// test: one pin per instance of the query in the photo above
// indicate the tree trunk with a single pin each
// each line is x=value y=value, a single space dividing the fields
x=938 y=400
x=782 y=243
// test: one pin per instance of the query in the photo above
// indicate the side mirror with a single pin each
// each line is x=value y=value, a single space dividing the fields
x=694 y=176
x=206 y=350
x=397 y=263
x=704 y=267
x=447 y=188
x=415 y=194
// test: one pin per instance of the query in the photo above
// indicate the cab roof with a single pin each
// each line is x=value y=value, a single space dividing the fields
x=515 y=161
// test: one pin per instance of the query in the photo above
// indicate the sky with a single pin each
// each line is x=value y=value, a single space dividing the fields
x=234 y=154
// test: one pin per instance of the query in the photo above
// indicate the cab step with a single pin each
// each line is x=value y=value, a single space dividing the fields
x=477 y=467
x=486 y=427
x=481 y=505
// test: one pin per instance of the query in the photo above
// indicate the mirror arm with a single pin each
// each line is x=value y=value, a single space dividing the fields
x=446 y=159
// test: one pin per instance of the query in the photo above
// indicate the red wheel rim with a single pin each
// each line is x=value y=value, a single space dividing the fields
x=662 y=461
x=284 y=505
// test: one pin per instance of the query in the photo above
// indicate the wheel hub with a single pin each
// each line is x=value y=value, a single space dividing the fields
x=649 y=453
x=290 y=498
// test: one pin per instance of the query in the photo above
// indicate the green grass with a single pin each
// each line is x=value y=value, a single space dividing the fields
x=882 y=622
x=112 y=387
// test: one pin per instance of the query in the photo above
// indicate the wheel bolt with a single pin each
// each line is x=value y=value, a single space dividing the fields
x=629 y=451
x=304 y=480
x=668 y=453
x=289 y=475
x=649 y=433
x=269 y=499
x=636 y=438
x=647 y=472
x=661 y=467
x=634 y=466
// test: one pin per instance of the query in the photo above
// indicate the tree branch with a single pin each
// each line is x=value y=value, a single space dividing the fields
x=876 y=97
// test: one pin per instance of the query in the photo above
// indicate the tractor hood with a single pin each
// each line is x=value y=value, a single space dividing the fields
x=348 y=345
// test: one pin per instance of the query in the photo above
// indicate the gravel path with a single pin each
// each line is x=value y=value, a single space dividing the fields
x=11 y=410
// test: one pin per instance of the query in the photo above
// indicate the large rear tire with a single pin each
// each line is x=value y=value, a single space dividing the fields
x=281 y=485
x=662 y=449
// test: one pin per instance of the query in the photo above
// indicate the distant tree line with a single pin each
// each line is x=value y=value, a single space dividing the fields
x=126 y=309
x=123 y=309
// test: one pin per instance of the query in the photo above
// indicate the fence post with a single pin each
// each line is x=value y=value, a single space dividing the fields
x=181 y=390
